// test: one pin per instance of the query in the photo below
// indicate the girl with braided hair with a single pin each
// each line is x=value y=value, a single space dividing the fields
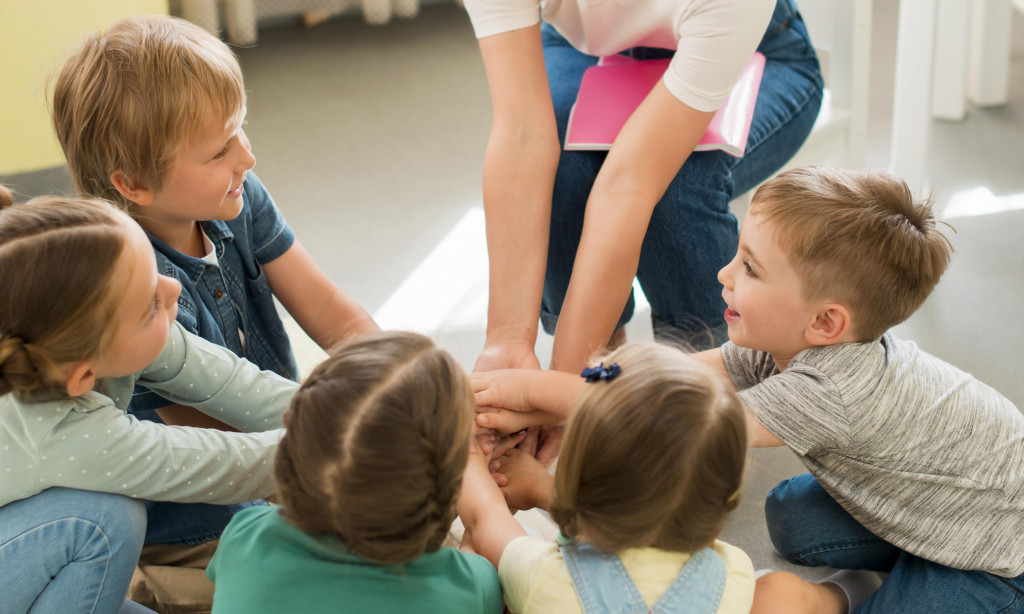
x=368 y=475
x=84 y=316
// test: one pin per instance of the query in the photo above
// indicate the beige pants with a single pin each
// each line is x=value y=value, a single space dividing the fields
x=172 y=579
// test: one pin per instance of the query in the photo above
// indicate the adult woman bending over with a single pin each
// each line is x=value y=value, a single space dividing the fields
x=651 y=207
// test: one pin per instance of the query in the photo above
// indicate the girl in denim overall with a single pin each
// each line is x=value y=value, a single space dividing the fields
x=651 y=464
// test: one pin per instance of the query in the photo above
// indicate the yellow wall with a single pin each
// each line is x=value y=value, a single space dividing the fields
x=34 y=36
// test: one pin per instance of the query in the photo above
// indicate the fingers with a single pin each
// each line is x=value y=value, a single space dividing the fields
x=505 y=421
x=500 y=479
x=505 y=442
x=530 y=442
x=550 y=445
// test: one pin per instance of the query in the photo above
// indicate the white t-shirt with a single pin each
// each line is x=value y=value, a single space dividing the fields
x=713 y=39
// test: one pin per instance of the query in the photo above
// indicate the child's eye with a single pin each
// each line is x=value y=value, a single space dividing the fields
x=749 y=271
x=157 y=302
x=222 y=153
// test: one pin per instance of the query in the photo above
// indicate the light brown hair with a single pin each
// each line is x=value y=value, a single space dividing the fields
x=377 y=440
x=652 y=458
x=57 y=258
x=129 y=97
x=857 y=237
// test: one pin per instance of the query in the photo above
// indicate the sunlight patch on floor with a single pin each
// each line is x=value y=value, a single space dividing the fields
x=981 y=201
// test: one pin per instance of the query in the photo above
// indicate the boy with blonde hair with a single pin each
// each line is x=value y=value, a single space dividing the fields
x=150 y=114
x=917 y=468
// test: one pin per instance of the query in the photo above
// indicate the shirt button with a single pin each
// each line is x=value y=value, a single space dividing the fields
x=218 y=293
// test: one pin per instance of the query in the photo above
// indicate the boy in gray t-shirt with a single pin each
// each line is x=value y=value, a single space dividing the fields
x=918 y=468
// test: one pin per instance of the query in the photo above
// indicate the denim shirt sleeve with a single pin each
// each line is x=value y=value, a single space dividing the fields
x=271 y=235
x=200 y=374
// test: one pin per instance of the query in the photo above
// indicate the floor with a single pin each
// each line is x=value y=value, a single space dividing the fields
x=371 y=140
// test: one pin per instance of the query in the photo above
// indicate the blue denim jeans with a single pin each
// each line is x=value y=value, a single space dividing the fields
x=68 y=551
x=692 y=233
x=808 y=527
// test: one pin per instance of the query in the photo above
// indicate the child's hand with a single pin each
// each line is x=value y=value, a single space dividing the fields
x=528 y=483
x=505 y=389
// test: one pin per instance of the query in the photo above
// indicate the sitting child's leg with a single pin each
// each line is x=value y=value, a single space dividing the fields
x=69 y=550
x=919 y=586
x=807 y=527
x=781 y=592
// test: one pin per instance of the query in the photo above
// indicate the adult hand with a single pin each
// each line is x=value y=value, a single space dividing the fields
x=497 y=356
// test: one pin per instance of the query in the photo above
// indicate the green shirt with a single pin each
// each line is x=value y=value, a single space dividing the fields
x=264 y=564
x=89 y=442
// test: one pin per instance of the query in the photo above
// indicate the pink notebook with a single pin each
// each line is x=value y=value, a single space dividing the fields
x=615 y=87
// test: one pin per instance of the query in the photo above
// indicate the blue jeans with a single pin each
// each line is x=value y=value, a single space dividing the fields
x=807 y=527
x=69 y=551
x=692 y=233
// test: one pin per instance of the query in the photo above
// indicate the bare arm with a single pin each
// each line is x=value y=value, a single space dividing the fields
x=757 y=435
x=484 y=512
x=519 y=174
x=517 y=398
x=320 y=307
x=639 y=167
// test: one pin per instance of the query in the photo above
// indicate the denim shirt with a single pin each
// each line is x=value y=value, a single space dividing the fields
x=220 y=300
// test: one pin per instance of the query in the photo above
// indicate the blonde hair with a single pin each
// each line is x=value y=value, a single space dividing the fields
x=57 y=261
x=131 y=96
x=652 y=458
x=377 y=440
x=857 y=237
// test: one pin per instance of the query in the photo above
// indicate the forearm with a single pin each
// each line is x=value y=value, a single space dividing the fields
x=485 y=514
x=519 y=174
x=325 y=312
x=636 y=173
x=553 y=392
x=518 y=181
x=337 y=318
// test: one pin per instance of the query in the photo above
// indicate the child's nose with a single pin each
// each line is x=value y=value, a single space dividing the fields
x=173 y=290
x=723 y=277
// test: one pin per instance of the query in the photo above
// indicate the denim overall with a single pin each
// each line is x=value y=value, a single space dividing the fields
x=604 y=587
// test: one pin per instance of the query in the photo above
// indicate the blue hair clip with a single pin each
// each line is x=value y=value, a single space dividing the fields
x=601 y=373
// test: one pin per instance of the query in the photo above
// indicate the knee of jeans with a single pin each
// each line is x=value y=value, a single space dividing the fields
x=783 y=525
x=117 y=520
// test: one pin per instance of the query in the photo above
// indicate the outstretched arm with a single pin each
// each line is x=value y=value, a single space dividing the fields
x=757 y=435
x=513 y=399
x=639 y=167
x=519 y=175
x=484 y=512
x=321 y=308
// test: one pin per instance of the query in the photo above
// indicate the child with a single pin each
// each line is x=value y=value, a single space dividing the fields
x=917 y=468
x=84 y=316
x=368 y=474
x=651 y=464
x=149 y=115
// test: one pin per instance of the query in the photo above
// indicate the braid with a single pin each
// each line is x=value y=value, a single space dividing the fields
x=23 y=367
x=376 y=442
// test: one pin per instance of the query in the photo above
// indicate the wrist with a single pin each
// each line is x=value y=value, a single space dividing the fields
x=542 y=490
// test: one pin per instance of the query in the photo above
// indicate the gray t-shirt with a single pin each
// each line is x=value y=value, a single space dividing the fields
x=921 y=453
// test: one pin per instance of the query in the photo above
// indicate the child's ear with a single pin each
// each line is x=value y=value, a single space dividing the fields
x=81 y=378
x=130 y=188
x=831 y=325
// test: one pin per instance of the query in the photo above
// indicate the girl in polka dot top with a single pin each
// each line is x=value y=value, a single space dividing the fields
x=84 y=316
